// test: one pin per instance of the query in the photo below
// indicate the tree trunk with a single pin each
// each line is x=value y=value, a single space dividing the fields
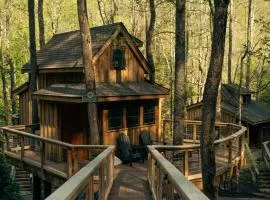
x=230 y=44
x=149 y=40
x=179 y=88
x=249 y=37
x=88 y=71
x=41 y=24
x=33 y=58
x=210 y=98
x=3 y=79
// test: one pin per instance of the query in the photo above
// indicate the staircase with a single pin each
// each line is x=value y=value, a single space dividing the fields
x=263 y=184
x=22 y=178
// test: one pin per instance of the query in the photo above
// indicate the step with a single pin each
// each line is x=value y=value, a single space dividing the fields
x=22 y=175
x=262 y=195
x=264 y=190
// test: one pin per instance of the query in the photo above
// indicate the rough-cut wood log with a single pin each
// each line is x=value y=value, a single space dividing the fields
x=33 y=58
x=41 y=24
x=88 y=71
x=149 y=39
x=210 y=98
x=179 y=88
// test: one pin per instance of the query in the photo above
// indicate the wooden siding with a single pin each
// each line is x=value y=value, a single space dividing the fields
x=47 y=79
x=25 y=107
x=105 y=71
x=109 y=136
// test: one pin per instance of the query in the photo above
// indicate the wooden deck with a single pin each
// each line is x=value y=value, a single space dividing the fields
x=130 y=182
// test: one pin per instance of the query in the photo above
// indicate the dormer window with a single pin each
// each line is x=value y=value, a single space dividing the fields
x=119 y=58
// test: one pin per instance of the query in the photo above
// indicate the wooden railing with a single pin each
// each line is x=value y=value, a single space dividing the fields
x=84 y=182
x=165 y=160
x=266 y=153
x=166 y=182
x=53 y=156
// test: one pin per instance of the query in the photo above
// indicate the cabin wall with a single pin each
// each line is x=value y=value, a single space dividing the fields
x=25 y=107
x=109 y=137
x=194 y=112
x=47 y=79
x=105 y=72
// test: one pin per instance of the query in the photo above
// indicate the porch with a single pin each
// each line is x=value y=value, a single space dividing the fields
x=93 y=175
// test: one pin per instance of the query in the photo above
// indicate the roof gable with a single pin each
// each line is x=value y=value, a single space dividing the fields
x=64 y=50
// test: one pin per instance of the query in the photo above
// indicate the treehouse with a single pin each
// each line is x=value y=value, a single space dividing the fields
x=127 y=101
x=255 y=115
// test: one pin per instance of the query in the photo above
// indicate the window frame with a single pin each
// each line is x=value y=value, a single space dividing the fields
x=150 y=105
x=119 y=109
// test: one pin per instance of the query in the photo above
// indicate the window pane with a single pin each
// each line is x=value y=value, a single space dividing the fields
x=119 y=58
x=133 y=114
x=115 y=118
x=149 y=113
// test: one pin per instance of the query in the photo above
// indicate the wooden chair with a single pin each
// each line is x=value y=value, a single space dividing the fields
x=128 y=153
x=145 y=140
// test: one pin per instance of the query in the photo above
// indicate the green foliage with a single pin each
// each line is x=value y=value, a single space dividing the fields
x=9 y=190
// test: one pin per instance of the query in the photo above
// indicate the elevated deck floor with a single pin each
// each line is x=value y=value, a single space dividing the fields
x=130 y=183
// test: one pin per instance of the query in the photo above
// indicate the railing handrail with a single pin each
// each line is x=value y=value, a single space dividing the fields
x=53 y=141
x=266 y=153
x=72 y=187
x=181 y=184
x=188 y=121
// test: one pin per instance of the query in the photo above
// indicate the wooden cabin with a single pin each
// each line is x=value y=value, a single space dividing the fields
x=255 y=114
x=127 y=101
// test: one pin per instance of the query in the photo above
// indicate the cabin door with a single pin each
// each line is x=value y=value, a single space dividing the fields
x=74 y=125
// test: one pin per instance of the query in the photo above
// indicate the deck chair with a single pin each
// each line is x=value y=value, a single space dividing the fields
x=128 y=153
x=145 y=140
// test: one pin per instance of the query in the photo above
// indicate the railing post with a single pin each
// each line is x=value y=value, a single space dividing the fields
x=149 y=171
x=230 y=152
x=241 y=150
x=90 y=189
x=69 y=163
x=159 y=184
x=75 y=160
x=7 y=140
x=169 y=190
x=194 y=132
x=101 y=181
x=43 y=153
x=22 y=147
x=185 y=170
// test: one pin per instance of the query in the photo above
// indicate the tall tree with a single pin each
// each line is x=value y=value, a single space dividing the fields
x=249 y=38
x=3 y=78
x=230 y=44
x=149 y=39
x=33 y=83
x=88 y=71
x=180 y=61
x=41 y=24
x=210 y=98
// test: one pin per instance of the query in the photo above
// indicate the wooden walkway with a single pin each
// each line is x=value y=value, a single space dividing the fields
x=130 y=183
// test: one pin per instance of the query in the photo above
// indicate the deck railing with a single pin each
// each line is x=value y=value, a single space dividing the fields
x=49 y=155
x=166 y=160
x=166 y=182
x=266 y=153
x=83 y=185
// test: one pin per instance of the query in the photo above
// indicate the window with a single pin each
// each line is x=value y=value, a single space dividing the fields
x=115 y=117
x=119 y=58
x=133 y=115
x=149 y=113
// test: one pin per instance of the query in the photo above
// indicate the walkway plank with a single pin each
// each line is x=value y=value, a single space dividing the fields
x=130 y=183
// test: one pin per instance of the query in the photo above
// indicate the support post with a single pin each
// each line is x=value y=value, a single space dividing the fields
x=90 y=189
x=230 y=152
x=47 y=189
x=22 y=147
x=185 y=171
x=36 y=188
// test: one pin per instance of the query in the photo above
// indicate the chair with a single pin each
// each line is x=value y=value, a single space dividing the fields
x=128 y=153
x=145 y=140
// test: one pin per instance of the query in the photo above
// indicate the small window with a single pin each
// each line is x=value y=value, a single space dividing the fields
x=149 y=113
x=133 y=115
x=115 y=117
x=119 y=58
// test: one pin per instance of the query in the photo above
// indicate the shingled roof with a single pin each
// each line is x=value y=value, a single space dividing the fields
x=77 y=92
x=64 y=50
x=254 y=112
